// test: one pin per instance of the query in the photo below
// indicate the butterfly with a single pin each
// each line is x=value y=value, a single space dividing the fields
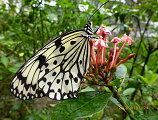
x=57 y=69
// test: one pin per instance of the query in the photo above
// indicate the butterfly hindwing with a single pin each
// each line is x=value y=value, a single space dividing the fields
x=56 y=70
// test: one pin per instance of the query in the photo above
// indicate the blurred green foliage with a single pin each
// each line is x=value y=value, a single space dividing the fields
x=27 y=25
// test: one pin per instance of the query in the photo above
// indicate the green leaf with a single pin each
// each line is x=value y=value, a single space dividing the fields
x=143 y=78
x=149 y=78
x=97 y=116
x=148 y=98
x=155 y=102
x=12 y=69
x=16 y=106
x=4 y=61
x=87 y=104
x=132 y=105
x=129 y=91
x=87 y=89
x=116 y=102
x=121 y=71
x=115 y=82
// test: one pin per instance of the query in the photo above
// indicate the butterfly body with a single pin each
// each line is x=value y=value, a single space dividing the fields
x=57 y=69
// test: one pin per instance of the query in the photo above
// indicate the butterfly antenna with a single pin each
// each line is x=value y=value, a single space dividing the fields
x=97 y=10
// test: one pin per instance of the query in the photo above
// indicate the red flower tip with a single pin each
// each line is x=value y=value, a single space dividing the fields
x=91 y=75
x=127 y=39
x=100 y=43
x=127 y=58
x=115 y=40
x=131 y=55
x=103 y=31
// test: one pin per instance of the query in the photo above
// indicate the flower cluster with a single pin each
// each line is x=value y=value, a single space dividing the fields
x=105 y=59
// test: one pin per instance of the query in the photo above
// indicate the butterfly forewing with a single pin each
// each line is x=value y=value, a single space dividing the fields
x=56 y=70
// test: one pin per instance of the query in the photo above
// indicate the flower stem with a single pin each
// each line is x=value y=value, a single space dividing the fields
x=120 y=51
x=113 y=58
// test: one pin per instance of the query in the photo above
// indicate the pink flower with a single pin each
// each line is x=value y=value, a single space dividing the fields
x=100 y=43
x=99 y=51
x=115 y=40
x=104 y=62
x=103 y=31
x=127 y=39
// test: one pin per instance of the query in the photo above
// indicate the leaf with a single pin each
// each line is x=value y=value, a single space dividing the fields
x=97 y=116
x=149 y=78
x=116 y=102
x=121 y=71
x=4 y=61
x=16 y=106
x=21 y=54
x=132 y=105
x=129 y=91
x=148 y=98
x=155 y=102
x=87 y=104
x=87 y=89
x=115 y=82
x=143 y=78
x=12 y=69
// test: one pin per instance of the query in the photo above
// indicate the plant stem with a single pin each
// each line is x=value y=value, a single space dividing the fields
x=42 y=29
x=141 y=40
x=42 y=25
x=118 y=97
x=145 y=63
x=33 y=31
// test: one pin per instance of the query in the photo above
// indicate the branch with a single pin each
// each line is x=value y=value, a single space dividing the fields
x=154 y=50
x=141 y=39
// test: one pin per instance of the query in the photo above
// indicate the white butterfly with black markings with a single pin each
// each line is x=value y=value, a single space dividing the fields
x=57 y=69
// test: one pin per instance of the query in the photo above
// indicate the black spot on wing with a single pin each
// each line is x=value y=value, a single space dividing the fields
x=21 y=78
x=59 y=90
x=58 y=42
x=34 y=87
x=27 y=86
x=71 y=76
x=62 y=95
x=66 y=82
x=76 y=79
x=42 y=60
x=54 y=73
x=40 y=93
x=62 y=48
x=46 y=71
x=46 y=64
x=42 y=79
x=49 y=84
x=50 y=91
x=72 y=42
x=58 y=81
x=55 y=62
x=80 y=61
